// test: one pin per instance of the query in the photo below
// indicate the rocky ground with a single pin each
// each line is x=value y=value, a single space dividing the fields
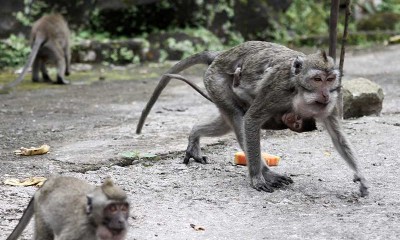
x=91 y=127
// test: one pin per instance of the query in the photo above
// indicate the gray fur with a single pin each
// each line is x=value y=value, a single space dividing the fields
x=274 y=80
x=61 y=211
x=49 y=41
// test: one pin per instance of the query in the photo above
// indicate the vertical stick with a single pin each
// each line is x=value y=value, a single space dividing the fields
x=333 y=28
x=342 y=53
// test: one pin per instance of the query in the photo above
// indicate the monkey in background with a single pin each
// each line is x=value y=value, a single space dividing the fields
x=67 y=208
x=274 y=80
x=50 y=41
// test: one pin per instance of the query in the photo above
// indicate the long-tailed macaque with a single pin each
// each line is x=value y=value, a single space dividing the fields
x=50 y=41
x=288 y=120
x=274 y=80
x=67 y=208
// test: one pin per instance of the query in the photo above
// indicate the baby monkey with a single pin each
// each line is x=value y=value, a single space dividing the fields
x=67 y=208
x=287 y=120
x=279 y=122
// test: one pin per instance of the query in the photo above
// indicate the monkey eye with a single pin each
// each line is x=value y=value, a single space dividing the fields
x=317 y=79
x=112 y=208
x=124 y=207
x=330 y=79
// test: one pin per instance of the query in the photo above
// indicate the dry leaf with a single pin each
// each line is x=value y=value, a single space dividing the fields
x=32 y=181
x=326 y=153
x=33 y=151
x=197 y=228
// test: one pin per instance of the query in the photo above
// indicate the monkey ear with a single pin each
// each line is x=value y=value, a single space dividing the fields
x=297 y=65
x=112 y=191
x=89 y=206
x=324 y=56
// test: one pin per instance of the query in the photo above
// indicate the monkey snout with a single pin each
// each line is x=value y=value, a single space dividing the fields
x=323 y=103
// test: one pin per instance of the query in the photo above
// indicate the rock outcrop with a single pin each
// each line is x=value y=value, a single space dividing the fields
x=361 y=97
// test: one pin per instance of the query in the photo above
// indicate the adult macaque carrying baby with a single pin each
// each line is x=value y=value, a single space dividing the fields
x=273 y=80
x=288 y=120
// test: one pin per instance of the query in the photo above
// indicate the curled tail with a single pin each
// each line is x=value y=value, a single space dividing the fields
x=206 y=57
x=23 y=222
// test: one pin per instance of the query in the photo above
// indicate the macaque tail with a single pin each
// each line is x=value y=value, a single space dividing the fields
x=23 y=222
x=199 y=58
x=34 y=51
x=190 y=83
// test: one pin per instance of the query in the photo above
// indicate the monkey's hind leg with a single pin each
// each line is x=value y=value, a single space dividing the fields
x=61 y=63
x=35 y=69
x=45 y=74
x=67 y=55
x=216 y=127
x=42 y=230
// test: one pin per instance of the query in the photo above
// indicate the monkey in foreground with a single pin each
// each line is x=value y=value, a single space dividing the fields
x=274 y=80
x=288 y=120
x=67 y=208
x=49 y=41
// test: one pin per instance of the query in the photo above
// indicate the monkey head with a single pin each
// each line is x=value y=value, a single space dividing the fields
x=108 y=208
x=317 y=81
x=297 y=124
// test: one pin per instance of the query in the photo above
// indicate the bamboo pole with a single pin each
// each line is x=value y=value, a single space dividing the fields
x=342 y=53
x=333 y=28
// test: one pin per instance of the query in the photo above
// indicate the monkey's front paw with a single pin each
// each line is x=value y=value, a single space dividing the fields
x=258 y=182
x=275 y=179
x=193 y=151
x=199 y=159
x=364 y=191
x=363 y=185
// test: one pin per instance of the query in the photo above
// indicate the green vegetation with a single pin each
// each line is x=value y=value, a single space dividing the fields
x=205 y=25
x=207 y=41
x=97 y=74
x=390 y=6
x=303 y=18
x=14 y=51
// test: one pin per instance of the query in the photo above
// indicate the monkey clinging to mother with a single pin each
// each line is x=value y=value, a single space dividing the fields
x=274 y=80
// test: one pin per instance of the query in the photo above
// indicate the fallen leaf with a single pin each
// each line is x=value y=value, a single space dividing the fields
x=326 y=153
x=33 y=151
x=150 y=156
x=32 y=181
x=130 y=155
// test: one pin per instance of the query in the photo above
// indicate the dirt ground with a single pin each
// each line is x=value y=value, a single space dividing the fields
x=91 y=127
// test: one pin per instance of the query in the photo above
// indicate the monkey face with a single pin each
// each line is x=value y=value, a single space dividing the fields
x=298 y=124
x=318 y=84
x=293 y=121
x=116 y=216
